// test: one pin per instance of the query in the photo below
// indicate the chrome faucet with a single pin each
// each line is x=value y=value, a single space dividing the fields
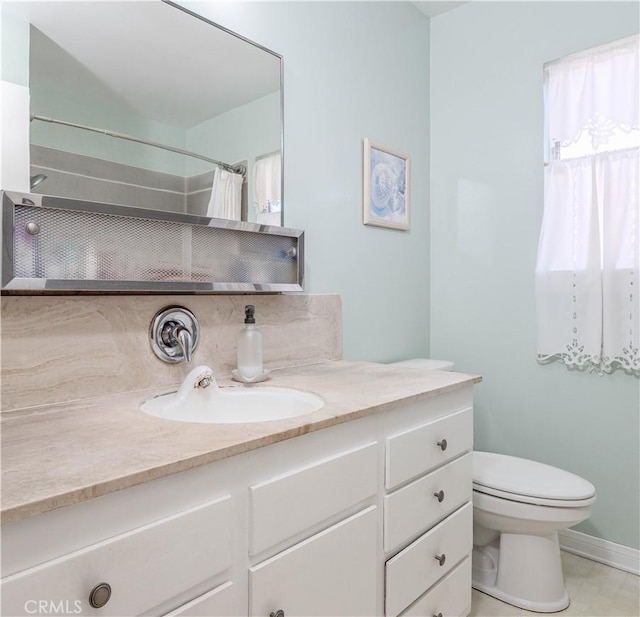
x=174 y=334
x=177 y=334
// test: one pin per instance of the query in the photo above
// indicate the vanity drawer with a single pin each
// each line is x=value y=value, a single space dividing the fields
x=419 y=505
x=216 y=603
x=413 y=570
x=422 y=448
x=286 y=505
x=144 y=567
x=451 y=597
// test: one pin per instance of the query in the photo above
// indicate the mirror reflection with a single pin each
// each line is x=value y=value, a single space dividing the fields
x=145 y=104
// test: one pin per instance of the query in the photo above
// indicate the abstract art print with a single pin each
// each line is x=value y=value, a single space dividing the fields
x=386 y=187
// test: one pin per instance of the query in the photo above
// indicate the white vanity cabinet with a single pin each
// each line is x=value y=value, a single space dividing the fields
x=367 y=517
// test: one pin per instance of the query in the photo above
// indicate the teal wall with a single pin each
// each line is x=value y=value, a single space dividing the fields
x=486 y=209
x=245 y=132
x=352 y=70
x=72 y=107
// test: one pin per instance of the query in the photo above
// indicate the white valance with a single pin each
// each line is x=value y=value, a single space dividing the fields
x=582 y=94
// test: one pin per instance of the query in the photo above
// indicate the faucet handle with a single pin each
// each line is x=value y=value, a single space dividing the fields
x=174 y=334
x=185 y=340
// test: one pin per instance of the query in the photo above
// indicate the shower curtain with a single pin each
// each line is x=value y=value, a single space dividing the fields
x=226 y=195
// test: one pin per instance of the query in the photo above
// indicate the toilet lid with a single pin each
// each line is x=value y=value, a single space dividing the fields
x=521 y=478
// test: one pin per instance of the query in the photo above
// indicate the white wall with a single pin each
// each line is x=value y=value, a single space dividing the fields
x=486 y=209
x=352 y=70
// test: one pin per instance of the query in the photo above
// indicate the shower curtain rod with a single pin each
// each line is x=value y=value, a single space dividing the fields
x=238 y=169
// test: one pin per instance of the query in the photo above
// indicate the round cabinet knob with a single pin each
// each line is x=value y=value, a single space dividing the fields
x=100 y=595
x=278 y=613
x=440 y=496
x=442 y=444
x=441 y=559
x=292 y=252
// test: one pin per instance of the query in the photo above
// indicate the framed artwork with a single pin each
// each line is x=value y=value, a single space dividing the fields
x=386 y=187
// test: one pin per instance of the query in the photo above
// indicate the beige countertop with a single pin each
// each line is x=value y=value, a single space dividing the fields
x=59 y=455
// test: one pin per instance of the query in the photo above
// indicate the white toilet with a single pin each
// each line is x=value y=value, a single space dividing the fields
x=518 y=508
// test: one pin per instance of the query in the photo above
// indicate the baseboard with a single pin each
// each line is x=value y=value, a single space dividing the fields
x=602 y=551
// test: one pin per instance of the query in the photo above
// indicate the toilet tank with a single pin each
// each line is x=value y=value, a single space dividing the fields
x=428 y=363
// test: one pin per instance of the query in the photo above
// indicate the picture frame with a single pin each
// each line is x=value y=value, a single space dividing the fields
x=385 y=186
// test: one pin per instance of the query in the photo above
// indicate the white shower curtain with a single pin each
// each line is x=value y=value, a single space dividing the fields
x=588 y=266
x=226 y=195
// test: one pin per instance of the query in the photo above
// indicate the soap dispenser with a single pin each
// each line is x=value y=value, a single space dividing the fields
x=250 y=366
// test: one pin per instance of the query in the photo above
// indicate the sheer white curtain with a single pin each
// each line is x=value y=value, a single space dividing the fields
x=587 y=271
x=226 y=195
x=267 y=179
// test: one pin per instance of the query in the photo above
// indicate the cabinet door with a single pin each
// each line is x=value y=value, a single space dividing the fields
x=293 y=502
x=331 y=573
x=142 y=568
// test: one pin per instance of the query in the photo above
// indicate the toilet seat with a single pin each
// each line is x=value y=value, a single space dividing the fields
x=535 y=501
x=526 y=481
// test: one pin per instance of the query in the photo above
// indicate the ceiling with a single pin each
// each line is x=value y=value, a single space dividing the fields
x=436 y=7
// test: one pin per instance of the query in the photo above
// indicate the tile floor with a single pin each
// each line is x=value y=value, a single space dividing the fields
x=595 y=590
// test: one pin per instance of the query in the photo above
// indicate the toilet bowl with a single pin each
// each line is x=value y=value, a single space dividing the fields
x=519 y=506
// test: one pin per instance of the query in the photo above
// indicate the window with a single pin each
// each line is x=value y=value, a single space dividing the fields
x=587 y=271
x=267 y=191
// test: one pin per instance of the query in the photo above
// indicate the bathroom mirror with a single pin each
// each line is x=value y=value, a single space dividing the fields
x=162 y=95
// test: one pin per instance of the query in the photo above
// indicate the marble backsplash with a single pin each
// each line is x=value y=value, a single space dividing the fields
x=64 y=348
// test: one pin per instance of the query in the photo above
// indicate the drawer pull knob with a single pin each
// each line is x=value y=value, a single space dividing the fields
x=440 y=496
x=278 y=613
x=100 y=595
x=442 y=444
x=441 y=559
x=438 y=615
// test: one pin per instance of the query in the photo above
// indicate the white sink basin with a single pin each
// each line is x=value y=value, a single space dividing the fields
x=195 y=402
